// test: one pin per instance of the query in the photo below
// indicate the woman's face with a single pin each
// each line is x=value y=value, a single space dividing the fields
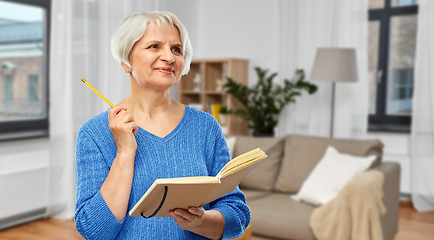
x=157 y=59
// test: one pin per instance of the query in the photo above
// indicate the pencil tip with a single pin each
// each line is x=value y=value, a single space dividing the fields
x=83 y=80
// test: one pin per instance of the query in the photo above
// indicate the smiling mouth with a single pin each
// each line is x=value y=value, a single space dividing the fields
x=165 y=70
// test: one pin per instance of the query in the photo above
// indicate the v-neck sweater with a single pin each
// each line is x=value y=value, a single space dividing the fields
x=196 y=147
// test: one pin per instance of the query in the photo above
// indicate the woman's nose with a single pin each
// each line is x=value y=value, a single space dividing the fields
x=167 y=56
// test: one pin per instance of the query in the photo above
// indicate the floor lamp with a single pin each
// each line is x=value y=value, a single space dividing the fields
x=335 y=65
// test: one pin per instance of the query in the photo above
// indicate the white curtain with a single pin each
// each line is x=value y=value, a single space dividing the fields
x=422 y=127
x=80 y=48
x=306 y=25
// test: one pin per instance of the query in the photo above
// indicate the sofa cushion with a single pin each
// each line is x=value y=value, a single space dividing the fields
x=279 y=216
x=302 y=153
x=230 y=141
x=254 y=194
x=330 y=175
x=263 y=176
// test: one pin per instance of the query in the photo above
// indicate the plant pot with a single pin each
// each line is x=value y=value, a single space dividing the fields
x=222 y=119
x=263 y=134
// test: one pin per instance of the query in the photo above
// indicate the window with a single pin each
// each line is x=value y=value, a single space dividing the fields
x=392 y=48
x=33 y=93
x=24 y=37
x=9 y=94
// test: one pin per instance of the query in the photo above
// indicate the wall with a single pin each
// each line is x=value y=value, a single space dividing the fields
x=241 y=29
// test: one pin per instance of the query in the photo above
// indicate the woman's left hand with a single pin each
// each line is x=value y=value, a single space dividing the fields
x=188 y=220
x=209 y=223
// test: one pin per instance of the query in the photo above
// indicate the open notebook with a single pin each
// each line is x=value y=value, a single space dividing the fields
x=170 y=193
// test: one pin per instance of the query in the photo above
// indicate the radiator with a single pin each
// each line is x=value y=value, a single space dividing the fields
x=23 y=196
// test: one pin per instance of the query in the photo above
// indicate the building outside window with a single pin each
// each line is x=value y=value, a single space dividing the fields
x=24 y=38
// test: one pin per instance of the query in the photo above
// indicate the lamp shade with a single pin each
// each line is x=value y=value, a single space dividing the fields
x=335 y=65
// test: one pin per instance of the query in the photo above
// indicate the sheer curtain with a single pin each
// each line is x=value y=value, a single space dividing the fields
x=422 y=127
x=80 y=48
x=306 y=25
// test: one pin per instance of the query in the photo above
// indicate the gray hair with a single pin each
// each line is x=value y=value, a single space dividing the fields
x=132 y=28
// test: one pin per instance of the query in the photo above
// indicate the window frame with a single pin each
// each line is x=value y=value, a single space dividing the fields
x=381 y=121
x=33 y=128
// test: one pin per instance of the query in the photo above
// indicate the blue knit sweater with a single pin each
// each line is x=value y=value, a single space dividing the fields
x=196 y=147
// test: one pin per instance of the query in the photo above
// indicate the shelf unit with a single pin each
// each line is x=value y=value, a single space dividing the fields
x=203 y=86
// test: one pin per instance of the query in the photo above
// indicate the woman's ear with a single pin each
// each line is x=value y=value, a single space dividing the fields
x=126 y=67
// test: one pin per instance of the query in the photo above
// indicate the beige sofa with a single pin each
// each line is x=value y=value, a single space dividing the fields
x=268 y=188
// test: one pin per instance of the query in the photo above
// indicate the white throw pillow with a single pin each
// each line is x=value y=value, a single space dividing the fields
x=330 y=175
x=231 y=144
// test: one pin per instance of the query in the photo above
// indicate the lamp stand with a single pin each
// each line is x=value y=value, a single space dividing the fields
x=332 y=114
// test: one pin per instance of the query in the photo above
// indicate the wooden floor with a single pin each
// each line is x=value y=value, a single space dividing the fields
x=412 y=226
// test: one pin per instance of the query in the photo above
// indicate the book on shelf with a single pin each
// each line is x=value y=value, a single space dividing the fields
x=166 y=194
x=215 y=110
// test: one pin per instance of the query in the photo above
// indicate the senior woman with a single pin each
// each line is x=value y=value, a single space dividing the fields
x=120 y=152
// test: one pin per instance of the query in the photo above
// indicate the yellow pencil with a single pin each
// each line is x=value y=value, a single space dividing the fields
x=99 y=94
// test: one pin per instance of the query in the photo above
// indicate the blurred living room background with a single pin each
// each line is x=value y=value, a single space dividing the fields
x=46 y=47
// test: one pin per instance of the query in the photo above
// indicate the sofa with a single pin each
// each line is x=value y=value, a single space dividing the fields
x=269 y=186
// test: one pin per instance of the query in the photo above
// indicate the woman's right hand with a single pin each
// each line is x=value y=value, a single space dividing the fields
x=123 y=128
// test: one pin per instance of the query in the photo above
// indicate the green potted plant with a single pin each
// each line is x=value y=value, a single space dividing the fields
x=265 y=101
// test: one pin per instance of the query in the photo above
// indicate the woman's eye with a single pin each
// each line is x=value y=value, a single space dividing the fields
x=177 y=50
x=153 y=46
